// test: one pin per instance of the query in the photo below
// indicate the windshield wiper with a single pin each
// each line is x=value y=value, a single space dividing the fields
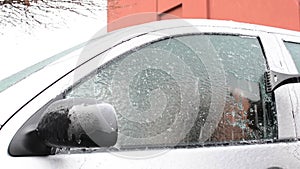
x=275 y=79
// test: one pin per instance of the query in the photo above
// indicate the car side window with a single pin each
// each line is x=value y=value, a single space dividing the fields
x=294 y=50
x=186 y=90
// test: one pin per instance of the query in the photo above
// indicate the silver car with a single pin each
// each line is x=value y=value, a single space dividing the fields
x=169 y=94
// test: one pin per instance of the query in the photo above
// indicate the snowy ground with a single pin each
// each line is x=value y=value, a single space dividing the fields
x=31 y=34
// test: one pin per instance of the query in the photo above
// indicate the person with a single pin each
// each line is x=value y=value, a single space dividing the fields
x=235 y=122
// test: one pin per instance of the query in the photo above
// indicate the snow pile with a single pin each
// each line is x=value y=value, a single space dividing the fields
x=31 y=34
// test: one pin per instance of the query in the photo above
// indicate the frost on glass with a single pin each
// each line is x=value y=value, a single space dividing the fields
x=294 y=49
x=248 y=113
x=186 y=90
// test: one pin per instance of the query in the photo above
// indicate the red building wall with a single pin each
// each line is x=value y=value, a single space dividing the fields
x=277 y=13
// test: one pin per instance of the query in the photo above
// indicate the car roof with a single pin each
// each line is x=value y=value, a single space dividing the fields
x=175 y=23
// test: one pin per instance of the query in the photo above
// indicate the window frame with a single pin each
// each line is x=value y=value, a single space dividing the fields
x=184 y=35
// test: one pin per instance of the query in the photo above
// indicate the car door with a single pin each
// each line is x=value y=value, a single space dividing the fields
x=290 y=51
x=184 y=97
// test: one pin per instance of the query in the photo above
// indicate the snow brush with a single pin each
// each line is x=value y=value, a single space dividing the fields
x=275 y=79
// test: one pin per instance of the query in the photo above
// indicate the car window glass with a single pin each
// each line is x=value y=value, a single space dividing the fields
x=294 y=49
x=194 y=89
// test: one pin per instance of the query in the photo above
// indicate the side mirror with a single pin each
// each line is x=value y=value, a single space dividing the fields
x=67 y=123
x=78 y=123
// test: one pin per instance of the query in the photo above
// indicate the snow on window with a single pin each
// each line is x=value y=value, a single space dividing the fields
x=185 y=90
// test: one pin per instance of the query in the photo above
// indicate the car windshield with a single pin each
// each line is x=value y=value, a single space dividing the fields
x=17 y=77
